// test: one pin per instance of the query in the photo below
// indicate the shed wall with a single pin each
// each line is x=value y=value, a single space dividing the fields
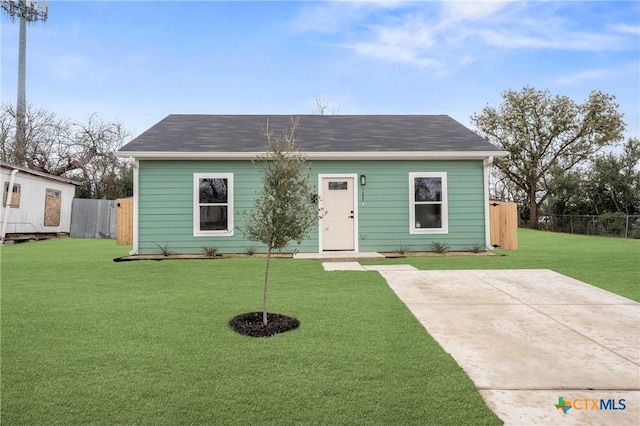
x=165 y=198
x=29 y=217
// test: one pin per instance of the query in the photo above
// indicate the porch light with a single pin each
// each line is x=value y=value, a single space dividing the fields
x=363 y=180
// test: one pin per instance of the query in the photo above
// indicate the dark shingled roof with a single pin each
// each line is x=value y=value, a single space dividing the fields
x=314 y=133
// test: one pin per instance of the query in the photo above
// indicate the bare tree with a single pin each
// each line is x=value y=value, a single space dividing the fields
x=321 y=107
x=61 y=147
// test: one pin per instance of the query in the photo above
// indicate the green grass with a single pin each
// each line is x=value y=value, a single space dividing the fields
x=609 y=263
x=89 y=341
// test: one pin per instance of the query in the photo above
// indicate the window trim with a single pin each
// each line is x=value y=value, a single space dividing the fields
x=6 y=199
x=444 y=229
x=197 y=232
x=51 y=193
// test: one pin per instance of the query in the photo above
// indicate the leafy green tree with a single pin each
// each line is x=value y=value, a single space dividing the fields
x=567 y=192
x=116 y=181
x=613 y=183
x=284 y=210
x=542 y=133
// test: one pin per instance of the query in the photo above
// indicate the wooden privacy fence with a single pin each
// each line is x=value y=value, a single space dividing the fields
x=124 y=221
x=503 y=219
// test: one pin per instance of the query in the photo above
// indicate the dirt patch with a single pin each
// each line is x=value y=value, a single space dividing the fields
x=394 y=255
x=388 y=255
x=250 y=324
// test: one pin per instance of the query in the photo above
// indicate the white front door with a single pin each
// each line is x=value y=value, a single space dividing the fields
x=338 y=222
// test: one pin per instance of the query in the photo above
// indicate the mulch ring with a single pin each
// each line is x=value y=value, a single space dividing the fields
x=250 y=324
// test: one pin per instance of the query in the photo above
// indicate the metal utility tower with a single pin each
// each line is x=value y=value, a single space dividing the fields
x=27 y=11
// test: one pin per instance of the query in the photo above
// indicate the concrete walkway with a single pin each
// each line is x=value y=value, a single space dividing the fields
x=529 y=337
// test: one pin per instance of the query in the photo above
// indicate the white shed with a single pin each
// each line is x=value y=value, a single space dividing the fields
x=39 y=205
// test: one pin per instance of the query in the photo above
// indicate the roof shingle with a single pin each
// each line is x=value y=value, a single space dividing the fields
x=314 y=133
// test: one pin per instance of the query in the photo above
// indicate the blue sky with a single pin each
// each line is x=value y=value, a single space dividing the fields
x=137 y=62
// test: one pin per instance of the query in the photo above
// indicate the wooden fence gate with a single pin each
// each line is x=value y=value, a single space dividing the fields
x=124 y=221
x=503 y=219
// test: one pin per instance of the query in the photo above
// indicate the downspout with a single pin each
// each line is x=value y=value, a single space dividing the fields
x=134 y=163
x=487 y=162
x=7 y=207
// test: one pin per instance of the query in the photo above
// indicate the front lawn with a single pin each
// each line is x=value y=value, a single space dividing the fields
x=89 y=341
x=609 y=263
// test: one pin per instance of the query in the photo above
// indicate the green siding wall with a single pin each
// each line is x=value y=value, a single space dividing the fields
x=166 y=204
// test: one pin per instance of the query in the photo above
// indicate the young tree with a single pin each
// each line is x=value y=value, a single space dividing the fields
x=544 y=133
x=284 y=210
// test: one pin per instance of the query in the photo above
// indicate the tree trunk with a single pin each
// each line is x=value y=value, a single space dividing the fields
x=533 y=209
x=264 y=290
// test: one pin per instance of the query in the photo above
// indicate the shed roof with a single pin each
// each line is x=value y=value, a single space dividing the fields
x=9 y=166
x=184 y=135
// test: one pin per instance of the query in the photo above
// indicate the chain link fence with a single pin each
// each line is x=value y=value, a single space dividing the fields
x=606 y=224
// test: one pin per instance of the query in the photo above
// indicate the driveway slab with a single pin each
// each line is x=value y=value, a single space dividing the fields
x=399 y=267
x=528 y=337
x=342 y=266
x=516 y=407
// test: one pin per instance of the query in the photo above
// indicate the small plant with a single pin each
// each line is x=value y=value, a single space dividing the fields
x=477 y=247
x=612 y=223
x=403 y=248
x=164 y=250
x=250 y=250
x=439 y=247
x=210 y=251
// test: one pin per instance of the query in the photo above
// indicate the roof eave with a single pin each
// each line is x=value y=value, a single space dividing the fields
x=61 y=179
x=371 y=155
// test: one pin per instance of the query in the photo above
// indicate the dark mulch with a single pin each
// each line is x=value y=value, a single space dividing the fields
x=250 y=324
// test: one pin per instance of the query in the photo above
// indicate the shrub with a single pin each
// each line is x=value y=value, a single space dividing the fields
x=250 y=250
x=439 y=247
x=403 y=248
x=210 y=251
x=612 y=223
x=164 y=250
x=477 y=247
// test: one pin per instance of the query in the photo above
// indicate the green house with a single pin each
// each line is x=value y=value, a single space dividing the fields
x=383 y=181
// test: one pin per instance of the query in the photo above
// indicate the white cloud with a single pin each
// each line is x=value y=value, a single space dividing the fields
x=396 y=54
x=557 y=40
x=603 y=74
x=626 y=29
x=337 y=15
x=472 y=11
x=582 y=76
x=442 y=35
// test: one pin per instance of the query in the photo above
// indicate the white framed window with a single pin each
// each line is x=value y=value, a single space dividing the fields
x=212 y=204
x=428 y=211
